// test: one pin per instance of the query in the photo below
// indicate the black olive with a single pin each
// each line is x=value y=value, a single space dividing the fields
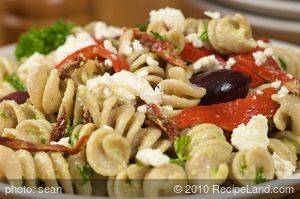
x=222 y=85
x=19 y=96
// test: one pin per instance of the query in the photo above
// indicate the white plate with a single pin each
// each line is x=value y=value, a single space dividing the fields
x=282 y=9
x=8 y=51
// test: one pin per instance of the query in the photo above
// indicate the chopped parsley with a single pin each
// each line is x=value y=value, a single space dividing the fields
x=69 y=131
x=3 y=115
x=181 y=145
x=260 y=176
x=43 y=40
x=15 y=81
x=204 y=35
x=143 y=27
x=158 y=35
x=243 y=169
x=42 y=140
x=85 y=172
x=282 y=64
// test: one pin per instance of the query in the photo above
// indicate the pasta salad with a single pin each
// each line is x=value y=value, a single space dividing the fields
x=104 y=110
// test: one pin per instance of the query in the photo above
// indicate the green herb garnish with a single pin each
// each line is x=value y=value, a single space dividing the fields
x=181 y=145
x=70 y=129
x=42 y=140
x=158 y=35
x=143 y=27
x=15 y=81
x=243 y=169
x=204 y=35
x=3 y=115
x=260 y=176
x=282 y=64
x=43 y=40
x=85 y=172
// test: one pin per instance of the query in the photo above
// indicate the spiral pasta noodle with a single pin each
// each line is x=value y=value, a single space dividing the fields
x=178 y=92
x=231 y=34
x=248 y=162
x=288 y=111
x=290 y=59
x=209 y=153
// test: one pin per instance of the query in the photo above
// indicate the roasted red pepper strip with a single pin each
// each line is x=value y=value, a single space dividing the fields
x=93 y=51
x=230 y=114
x=163 y=48
x=192 y=54
x=155 y=115
x=268 y=71
x=17 y=144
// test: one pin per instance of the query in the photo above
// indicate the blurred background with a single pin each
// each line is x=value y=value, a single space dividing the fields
x=275 y=18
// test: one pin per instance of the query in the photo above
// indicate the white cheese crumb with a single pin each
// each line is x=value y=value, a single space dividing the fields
x=152 y=157
x=262 y=44
x=108 y=62
x=126 y=48
x=63 y=141
x=283 y=168
x=230 y=62
x=137 y=46
x=72 y=44
x=151 y=62
x=106 y=92
x=108 y=45
x=289 y=75
x=213 y=15
x=254 y=134
x=208 y=63
x=127 y=86
x=194 y=39
x=142 y=73
x=259 y=92
x=142 y=109
x=254 y=97
x=172 y=18
x=283 y=91
x=276 y=84
x=261 y=56
x=102 y=30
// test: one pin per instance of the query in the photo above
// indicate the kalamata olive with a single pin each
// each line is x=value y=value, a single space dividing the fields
x=222 y=85
x=19 y=96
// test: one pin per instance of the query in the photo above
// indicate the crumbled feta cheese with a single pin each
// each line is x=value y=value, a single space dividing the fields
x=194 y=39
x=108 y=62
x=142 y=73
x=208 y=63
x=290 y=76
x=276 y=84
x=254 y=97
x=283 y=91
x=63 y=141
x=230 y=62
x=33 y=61
x=152 y=157
x=213 y=15
x=102 y=30
x=261 y=56
x=172 y=18
x=262 y=44
x=108 y=45
x=283 y=168
x=125 y=47
x=137 y=46
x=254 y=134
x=142 y=109
x=259 y=92
x=127 y=86
x=151 y=62
x=72 y=44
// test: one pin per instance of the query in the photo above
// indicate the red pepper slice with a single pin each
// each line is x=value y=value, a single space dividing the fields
x=268 y=71
x=93 y=51
x=230 y=114
x=192 y=54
